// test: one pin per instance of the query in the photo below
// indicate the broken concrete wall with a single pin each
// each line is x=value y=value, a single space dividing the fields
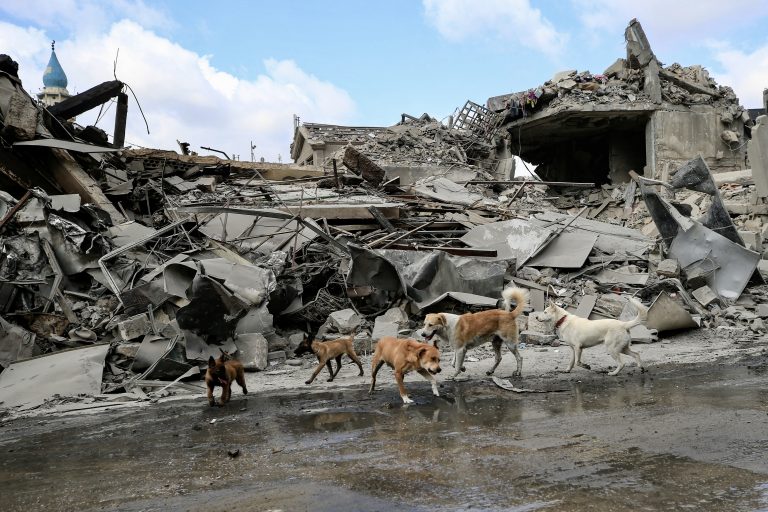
x=676 y=136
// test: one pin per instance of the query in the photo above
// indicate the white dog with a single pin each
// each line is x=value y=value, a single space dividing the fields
x=580 y=333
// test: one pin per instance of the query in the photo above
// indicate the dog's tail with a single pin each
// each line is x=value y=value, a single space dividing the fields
x=519 y=295
x=642 y=314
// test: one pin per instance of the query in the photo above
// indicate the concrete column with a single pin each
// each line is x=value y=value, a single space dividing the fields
x=121 y=116
x=758 y=155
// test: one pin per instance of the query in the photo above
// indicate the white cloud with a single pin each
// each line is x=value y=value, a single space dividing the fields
x=182 y=93
x=666 y=20
x=84 y=15
x=510 y=20
x=746 y=72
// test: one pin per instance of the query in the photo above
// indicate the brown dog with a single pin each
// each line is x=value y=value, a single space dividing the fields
x=326 y=351
x=403 y=356
x=472 y=329
x=221 y=372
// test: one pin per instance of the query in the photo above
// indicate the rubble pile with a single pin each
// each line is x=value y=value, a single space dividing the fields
x=426 y=141
x=136 y=266
x=619 y=84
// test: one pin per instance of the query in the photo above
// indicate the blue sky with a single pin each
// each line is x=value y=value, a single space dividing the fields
x=223 y=73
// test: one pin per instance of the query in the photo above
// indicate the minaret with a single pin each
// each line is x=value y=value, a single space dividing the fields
x=54 y=81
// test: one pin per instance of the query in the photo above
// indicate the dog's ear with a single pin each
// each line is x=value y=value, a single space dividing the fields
x=211 y=362
x=421 y=352
x=441 y=319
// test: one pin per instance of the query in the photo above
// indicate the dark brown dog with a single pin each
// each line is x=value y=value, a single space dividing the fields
x=221 y=372
x=326 y=351
x=403 y=356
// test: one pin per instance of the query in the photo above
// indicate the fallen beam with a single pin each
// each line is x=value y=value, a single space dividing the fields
x=86 y=100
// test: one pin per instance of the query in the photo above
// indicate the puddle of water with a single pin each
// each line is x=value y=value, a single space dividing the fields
x=643 y=443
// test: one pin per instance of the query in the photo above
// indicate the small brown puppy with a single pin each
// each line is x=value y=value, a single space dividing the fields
x=326 y=351
x=403 y=356
x=221 y=372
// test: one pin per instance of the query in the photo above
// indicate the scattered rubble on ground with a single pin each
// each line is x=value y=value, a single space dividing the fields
x=137 y=265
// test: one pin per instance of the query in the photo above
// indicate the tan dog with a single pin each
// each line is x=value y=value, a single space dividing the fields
x=221 y=372
x=327 y=351
x=472 y=329
x=403 y=356
x=580 y=333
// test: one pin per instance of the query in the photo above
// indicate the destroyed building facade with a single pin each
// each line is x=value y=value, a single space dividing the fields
x=638 y=115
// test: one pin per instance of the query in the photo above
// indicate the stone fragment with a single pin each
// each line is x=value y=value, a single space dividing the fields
x=757 y=325
x=753 y=241
x=668 y=268
x=762 y=310
x=535 y=325
x=704 y=295
x=276 y=355
x=345 y=321
x=397 y=316
x=383 y=327
x=536 y=338
x=253 y=351
x=133 y=327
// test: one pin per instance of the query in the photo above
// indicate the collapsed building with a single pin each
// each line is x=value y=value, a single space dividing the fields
x=122 y=271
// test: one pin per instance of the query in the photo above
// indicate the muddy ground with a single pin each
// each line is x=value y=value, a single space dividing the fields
x=690 y=433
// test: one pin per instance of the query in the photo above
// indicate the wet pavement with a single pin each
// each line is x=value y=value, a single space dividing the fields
x=677 y=438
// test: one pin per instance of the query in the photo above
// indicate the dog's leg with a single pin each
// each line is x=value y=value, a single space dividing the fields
x=241 y=381
x=225 y=392
x=460 y=353
x=431 y=378
x=211 y=400
x=496 y=343
x=401 y=386
x=634 y=354
x=375 y=366
x=617 y=357
x=338 y=368
x=515 y=349
x=318 y=370
x=356 y=359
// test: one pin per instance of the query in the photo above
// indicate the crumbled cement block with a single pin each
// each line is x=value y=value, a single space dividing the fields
x=294 y=362
x=397 y=316
x=704 y=295
x=757 y=325
x=128 y=350
x=762 y=266
x=133 y=327
x=696 y=276
x=567 y=84
x=762 y=310
x=345 y=321
x=562 y=75
x=752 y=240
x=668 y=268
x=541 y=327
x=206 y=183
x=294 y=340
x=616 y=68
x=383 y=327
x=536 y=338
x=277 y=355
x=253 y=351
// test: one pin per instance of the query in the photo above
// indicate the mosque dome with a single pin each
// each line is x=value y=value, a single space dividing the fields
x=54 y=75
